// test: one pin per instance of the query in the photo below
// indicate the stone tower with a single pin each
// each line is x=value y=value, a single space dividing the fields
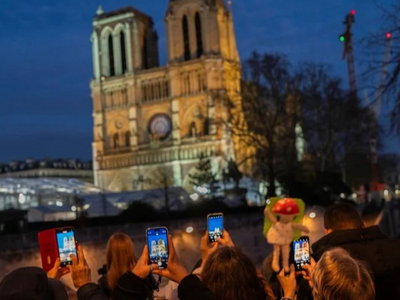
x=153 y=123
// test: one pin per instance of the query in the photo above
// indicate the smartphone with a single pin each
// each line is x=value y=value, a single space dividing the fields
x=301 y=252
x=66 y=244
x=157 y=242
x=215 y=226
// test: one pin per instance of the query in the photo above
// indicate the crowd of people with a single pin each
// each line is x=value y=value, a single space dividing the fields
x=350 y=262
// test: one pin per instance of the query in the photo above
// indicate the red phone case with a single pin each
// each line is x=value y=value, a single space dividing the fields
x=48 y=248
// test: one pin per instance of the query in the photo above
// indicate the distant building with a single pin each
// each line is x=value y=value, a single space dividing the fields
x=50 y=214
x=25 y=193
x=31 y=168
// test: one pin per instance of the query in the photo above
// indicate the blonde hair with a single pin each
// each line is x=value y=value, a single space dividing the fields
x=121 y=258
x=338 y=276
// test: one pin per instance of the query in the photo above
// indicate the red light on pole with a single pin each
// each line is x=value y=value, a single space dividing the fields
x=353 y=12
x=388 y=35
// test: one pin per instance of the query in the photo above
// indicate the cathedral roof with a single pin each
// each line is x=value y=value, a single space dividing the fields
x=124 y=10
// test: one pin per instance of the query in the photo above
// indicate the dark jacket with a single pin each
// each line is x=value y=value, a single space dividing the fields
x=91 y=291
x=31 y=283
x=191 y=288
x=150 y=282
x=131 y=287
x=370 y=245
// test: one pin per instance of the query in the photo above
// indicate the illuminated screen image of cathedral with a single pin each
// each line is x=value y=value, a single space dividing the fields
x=150 y=119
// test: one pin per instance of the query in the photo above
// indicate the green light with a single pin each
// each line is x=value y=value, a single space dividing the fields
x=341 y=38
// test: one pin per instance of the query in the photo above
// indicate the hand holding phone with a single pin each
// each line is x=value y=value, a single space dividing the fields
x=66 y=245
x=301 y=253
x=157 y=243
x=57 y=244
x=215 y=226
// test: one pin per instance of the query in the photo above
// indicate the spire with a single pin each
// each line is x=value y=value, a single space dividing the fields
x=100 y=10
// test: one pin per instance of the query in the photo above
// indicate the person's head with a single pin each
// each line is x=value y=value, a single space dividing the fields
x=338 y=276
x=342 y=216
x=31 y=283
x=121 y=257
x=230 y=274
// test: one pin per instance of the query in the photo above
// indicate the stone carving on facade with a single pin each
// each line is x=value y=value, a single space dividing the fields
x=196 y=127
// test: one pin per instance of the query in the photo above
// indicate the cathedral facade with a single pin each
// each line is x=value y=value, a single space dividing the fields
x=152 y=123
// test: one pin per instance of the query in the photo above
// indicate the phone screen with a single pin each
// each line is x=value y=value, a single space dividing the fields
x=66 y=245
x=301 y=252
x=157 y=242
x=215 y=226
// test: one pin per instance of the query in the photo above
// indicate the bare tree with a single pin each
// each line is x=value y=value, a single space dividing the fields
x=266 y=123
x=163 y=177
x=381 y=62
x=334 y=123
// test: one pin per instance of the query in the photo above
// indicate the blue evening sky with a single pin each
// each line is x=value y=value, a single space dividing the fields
x=45 y=107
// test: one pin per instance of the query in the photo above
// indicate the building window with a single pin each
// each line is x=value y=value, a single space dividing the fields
x=199 y=37
x=111 y=55
x=145 y=54
x=116 y=141
x=123 y=51
x=186 y=43
x=127 y=139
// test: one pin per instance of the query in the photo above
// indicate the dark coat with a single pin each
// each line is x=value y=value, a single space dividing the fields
x=31 y=283
x=131 y=287
x=370 y=245
x=91 y=291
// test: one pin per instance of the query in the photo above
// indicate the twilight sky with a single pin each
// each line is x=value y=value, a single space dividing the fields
x=45 y=107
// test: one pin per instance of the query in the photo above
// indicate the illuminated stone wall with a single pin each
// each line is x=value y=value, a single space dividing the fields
x=130 y=144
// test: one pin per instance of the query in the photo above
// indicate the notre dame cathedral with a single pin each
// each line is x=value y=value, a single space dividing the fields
x=151 y=122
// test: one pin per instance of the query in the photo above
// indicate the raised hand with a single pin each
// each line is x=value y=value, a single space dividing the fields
x=307 y=271
x=288 y=283
x=57 y=272
x=175 y=271
x=142 y=268
x=206 y=249
x=225 y=240
x=80 y=271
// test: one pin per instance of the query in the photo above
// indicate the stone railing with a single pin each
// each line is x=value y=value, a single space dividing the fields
x=174 y=153
x=28 y=241
x=118 y=150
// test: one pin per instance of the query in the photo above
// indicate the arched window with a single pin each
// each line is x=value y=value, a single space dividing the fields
x=123 y=51
x=145 y=54
x=186 y=43
x=199 y=37
x=116 y=140
x=111 y=55
x=127 y=139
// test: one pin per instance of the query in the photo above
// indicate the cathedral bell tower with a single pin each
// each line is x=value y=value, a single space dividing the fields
x=197 y=28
